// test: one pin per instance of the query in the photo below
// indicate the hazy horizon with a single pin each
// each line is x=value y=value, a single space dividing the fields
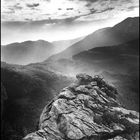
x=64 y=20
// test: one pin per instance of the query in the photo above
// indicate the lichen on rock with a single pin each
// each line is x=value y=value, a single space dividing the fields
x=87 y=110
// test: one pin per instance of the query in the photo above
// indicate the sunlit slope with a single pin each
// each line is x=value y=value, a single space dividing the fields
x=123 y=32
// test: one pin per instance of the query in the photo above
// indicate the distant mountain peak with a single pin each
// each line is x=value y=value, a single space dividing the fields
x=133 y=21
x=132 y=18
x=123 y=32
x=27 y=52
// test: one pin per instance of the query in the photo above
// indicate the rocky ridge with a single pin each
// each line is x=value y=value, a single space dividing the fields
x=87 y=110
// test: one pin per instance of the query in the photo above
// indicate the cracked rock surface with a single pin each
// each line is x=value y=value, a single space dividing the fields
x=87 y=110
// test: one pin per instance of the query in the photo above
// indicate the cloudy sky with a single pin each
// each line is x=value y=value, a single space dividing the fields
x=60 y=19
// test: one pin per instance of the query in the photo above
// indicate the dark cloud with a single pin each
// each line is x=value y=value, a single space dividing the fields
x=89 y=0
x=32 y=5
x=132 y=7
x=17 y=7
x=88 y=4
x=87 y=7
x=108 y=9
x=11 y=10
x=92 y=11
x=108 y=5
x=120 y=0
x=34 y=24
x=69 y=8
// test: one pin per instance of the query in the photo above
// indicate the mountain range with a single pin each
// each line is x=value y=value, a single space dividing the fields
x=26 y=52
x=37 y=51
x=33 y=51
x=124 y=31
x=111 y=52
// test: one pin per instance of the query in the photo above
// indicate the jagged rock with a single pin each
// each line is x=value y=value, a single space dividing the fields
x=83 y=78
x=85 y=111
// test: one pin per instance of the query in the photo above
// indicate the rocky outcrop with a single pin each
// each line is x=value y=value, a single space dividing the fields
x=87 y=110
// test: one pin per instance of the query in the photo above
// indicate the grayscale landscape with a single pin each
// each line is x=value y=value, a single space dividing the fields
x=70 y=70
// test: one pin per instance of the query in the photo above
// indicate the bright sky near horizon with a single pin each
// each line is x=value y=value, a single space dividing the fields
x=53 y=20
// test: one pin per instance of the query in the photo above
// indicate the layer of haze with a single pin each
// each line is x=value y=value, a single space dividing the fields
x=64 y=20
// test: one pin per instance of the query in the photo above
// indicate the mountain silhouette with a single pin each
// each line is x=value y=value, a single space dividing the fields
x=124 y=31
x=27 y=52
